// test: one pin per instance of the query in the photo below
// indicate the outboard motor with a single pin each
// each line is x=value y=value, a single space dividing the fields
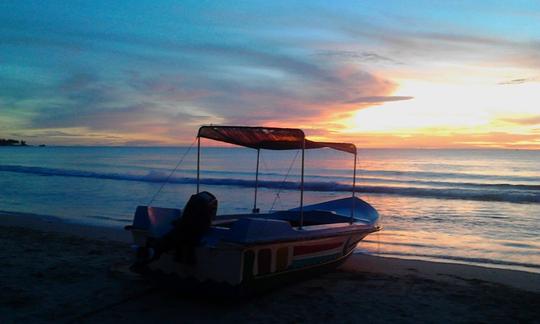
x=197 y=217
x=187 y=232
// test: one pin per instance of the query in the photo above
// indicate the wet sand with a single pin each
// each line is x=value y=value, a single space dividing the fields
x=58 y=272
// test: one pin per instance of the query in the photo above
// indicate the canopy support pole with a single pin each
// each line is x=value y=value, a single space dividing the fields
x=353 y=188
x=302 y=186
x=255 y=209
x=198 y=162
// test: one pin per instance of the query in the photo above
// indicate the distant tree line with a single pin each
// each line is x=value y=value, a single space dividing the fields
x=11 y=142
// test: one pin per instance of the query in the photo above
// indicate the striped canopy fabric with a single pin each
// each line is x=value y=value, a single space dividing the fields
x=269 y=138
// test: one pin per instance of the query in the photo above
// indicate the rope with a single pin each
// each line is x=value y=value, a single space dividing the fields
x=264 y=166
x=285 y=179
x=172 y=172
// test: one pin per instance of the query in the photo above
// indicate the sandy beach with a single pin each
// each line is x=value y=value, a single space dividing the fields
x=59 y=272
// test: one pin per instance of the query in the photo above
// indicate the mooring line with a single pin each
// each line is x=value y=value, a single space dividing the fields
x=172 y=172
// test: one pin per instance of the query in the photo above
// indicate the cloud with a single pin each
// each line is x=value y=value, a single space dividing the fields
x=163 y=51
x=517 y=81
x=147 y=80
x=378 y=99
x=369 y=57
x=78 y=81
x=67 y=137
x=143 y=143
x=131 y=83
x=422 y=42
x=54 y=133
x=526 y=121
x=455 y=140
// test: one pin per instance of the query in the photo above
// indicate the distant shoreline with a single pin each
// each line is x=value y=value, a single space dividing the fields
x=27 y=145
x=9 y=142
x=12 y=142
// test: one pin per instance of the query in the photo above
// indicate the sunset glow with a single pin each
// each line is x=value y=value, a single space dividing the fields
x=391 y=74
x=427 y=114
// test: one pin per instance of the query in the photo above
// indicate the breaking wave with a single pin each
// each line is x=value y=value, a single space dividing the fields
x=517 y=193
x=453 y=175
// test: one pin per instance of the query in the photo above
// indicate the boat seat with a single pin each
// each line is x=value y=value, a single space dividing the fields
x=252 y=229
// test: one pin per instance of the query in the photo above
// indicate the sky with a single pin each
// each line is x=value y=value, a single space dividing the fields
x=385 y=74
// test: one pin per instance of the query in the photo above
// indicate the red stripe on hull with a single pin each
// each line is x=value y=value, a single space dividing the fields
x=306 y=249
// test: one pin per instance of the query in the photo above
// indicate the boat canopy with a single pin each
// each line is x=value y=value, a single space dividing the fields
x=269 y=138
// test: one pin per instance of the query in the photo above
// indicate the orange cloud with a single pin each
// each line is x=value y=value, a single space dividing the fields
x=451 y=140
x=532 y=120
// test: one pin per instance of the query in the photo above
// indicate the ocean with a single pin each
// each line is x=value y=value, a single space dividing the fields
x=477 y=207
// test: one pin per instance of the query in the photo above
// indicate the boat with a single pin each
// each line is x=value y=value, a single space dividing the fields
x=250 y=252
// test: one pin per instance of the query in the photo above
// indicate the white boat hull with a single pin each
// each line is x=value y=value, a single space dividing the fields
x=237 y=265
